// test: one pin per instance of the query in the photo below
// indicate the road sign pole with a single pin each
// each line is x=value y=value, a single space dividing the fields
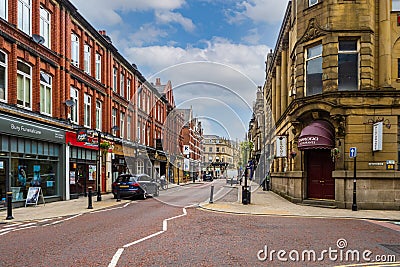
x=354 y=206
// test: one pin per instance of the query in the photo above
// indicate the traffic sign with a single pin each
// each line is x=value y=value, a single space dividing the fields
x=353 y=152
x=186 y=150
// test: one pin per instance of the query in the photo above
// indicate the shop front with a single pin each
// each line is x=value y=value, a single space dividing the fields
x=82 y=163
x=316 y=140
x=31 y=156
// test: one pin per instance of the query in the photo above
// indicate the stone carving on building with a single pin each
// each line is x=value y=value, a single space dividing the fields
x=313 y=31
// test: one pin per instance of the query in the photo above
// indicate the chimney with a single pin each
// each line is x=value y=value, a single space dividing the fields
x=158 y=81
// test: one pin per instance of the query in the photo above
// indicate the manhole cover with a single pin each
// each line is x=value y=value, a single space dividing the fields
x=394 y=248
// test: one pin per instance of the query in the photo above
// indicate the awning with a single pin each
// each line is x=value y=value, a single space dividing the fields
x=317 y=135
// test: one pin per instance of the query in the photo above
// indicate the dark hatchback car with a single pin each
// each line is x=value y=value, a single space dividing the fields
x=208 y=177
x=134 y=185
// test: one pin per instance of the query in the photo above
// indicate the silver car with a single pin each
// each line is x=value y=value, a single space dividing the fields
x=149 y=185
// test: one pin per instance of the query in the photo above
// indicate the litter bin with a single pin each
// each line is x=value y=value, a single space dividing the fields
x=245 y=195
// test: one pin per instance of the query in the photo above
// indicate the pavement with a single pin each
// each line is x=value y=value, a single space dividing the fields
x=262 y=203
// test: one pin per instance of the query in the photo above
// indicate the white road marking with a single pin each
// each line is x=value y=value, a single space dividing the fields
x=119 y=252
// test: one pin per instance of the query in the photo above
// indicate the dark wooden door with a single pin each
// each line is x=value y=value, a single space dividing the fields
x=319 y=170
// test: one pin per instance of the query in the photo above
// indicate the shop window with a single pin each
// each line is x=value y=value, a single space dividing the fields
x=40 y=148
x=21 y=145
x=24 y=84
x=24 y=16
x=348 y=65
x=4 y=143
x=3 y=9
x=3 y=76
x=13 y=144
x=45 y=93
x=74 y=49
x=45 y=26
x=314 y=70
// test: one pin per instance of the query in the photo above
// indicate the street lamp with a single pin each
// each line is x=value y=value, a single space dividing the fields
x=179 y=166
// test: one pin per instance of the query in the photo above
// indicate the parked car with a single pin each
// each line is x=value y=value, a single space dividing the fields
x=208 y=177
x=134 y=185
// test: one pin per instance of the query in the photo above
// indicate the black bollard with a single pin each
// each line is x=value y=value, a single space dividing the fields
x=212 y=194
x=90 y=206
x=9 y=206
x=118 y=194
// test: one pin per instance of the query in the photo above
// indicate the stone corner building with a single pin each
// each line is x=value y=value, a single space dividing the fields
x=332 y=83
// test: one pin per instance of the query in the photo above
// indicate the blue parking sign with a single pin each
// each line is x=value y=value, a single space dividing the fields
x=353 y=152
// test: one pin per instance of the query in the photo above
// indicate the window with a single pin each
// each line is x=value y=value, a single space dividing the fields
x=24 y=16
x=115 y=72
x=114 y=120
x=122 y=85
x=314 y=70
x=75 y=49
x=86 y=58
x=128 y=89
x=75 y=107
x=24 y=84
x=128 y=128
x=98 y=115
x=217 y=149
x=3 y=9
x=140 y=166
x=45 y=26
x=312 y=2
x=348 y=65
x=87 y=111
x=395 y=5
x=98 y=67
x=210 y=149
x=3 y=76
x=45 y=93
x=121 y=124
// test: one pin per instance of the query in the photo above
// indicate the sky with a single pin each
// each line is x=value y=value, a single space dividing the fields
x=213 y=51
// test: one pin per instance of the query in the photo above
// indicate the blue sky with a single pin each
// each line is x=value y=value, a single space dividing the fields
x=174 y=38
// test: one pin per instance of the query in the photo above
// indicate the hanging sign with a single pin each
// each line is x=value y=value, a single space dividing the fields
x=281 y=146
x=377 y=136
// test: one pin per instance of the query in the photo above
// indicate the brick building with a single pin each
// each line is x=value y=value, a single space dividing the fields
x=59 y=75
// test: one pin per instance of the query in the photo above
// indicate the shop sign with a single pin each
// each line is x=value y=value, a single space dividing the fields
x=82 y=135
x=25 y=128
x=281 y=146
x=390 y=164
x=377 y=136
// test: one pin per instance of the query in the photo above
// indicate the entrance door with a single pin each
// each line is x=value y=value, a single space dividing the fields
x=3 y=177
x=319 y=170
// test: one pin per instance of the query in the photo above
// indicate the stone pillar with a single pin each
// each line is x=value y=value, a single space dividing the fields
x=278 y=93
x=384 y=44
x=284 y=81
x=273 y=99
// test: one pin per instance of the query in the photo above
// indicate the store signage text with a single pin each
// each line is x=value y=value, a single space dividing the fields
x=22 y=128
x=311 y=140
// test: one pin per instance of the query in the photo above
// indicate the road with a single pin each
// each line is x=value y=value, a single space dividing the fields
x=165 y=231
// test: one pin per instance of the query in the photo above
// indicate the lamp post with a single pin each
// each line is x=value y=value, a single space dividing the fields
x=179 y=166
x=99 y=165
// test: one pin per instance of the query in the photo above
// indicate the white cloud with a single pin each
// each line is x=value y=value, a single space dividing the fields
x=270 y=11
x=249 y=59
x=167 y=17
x=105 y=11
x=146 y=34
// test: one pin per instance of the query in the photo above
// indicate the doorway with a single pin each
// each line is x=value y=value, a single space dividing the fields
x=320 y=184
x=3 y=177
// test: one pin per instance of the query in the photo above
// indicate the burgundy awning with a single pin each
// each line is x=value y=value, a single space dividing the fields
x=317 y=135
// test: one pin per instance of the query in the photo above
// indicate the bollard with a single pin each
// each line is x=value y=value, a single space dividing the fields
x=90 y=206
x=9 y=206
x=118 y=194
x=232 y=181
x=212 y=194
